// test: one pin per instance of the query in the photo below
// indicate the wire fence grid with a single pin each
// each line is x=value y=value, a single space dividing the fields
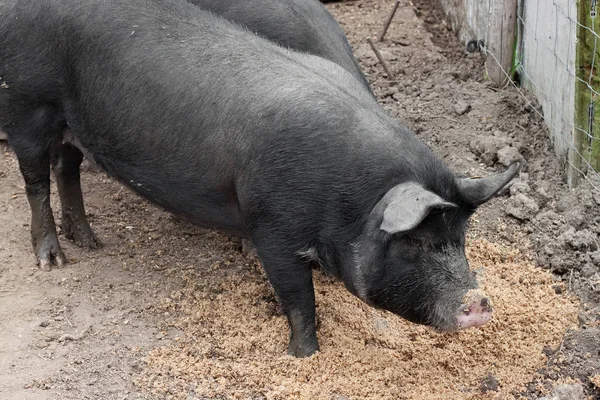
x=556 y=56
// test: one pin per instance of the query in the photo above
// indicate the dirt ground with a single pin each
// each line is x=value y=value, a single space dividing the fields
x=169 y=311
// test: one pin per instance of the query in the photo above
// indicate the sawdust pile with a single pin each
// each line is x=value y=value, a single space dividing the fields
x=235 y=340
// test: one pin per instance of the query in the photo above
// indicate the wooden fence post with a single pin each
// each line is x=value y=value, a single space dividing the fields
x=501 y=39
x=586 y=135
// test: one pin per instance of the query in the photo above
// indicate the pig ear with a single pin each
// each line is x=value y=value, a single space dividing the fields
x=407 y=205
x=479 y=190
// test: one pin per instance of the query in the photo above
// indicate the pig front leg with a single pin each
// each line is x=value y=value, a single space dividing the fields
x=293 y=284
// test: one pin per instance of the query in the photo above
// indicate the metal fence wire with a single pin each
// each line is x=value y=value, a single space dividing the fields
x=556 y=55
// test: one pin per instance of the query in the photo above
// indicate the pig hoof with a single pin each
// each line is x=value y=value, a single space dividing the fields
x=82 y=236
x=46 y=262
x=48 y=252
x=301 y=349
x=88 y=241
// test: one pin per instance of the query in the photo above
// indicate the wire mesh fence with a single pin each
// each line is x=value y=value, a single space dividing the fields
x=553 y=47
x=556 y=55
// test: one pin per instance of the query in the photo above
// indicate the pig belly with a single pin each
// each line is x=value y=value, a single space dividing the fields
x=199 y=201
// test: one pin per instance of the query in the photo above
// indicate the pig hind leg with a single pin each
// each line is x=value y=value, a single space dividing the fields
x=32 y=135
x=74 y=222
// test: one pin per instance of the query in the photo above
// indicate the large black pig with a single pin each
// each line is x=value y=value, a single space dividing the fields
x=236 y=133
x=302 y=25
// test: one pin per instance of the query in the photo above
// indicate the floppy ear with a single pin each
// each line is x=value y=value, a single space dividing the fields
x=479 y=190
x=406 y=205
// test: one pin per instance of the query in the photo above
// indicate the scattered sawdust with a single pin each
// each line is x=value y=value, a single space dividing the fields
x=235 y=340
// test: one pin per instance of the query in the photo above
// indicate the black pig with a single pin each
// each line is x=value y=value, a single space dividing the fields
x=302 y=25
x=236 y=133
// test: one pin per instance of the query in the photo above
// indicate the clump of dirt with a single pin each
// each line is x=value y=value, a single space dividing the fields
x=234 y=340
x=575 y=357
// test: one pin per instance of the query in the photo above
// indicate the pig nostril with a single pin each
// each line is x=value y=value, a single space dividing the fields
x=485 y=302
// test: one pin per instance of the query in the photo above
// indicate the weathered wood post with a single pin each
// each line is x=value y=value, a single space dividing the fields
x=585 y=147
x=501 y=40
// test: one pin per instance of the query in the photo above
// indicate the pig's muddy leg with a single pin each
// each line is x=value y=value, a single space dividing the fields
x=74 y=221
x=292 y=281
x=33 y=135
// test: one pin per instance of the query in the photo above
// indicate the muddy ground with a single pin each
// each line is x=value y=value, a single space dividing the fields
x=167 y=310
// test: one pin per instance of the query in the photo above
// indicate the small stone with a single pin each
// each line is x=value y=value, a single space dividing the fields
x=44 y=324
x=388 y=55
x=507 y=155
x=595 y=282
x=588 y=270
x=582 y=319
x=518 y=186
x=461 y=108
x=379 y=324
x=566 y=392
x=547 y=351
x=523 y=121
x=388 y=84
x=388 y=92
x=543 y=192
x=487 y=147
x=595 y=256
x=567 y=231
x=522 y=207
x=488 y=159
x=92 y=382
x=489 y=383
x=557 y=289
x=339 y=397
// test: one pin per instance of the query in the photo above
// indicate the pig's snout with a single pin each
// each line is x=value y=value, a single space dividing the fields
x=476 y=311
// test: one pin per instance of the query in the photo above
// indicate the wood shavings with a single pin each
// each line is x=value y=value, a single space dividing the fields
x=237 y=340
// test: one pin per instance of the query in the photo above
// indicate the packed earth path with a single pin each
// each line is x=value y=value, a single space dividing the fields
x=166 y=310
